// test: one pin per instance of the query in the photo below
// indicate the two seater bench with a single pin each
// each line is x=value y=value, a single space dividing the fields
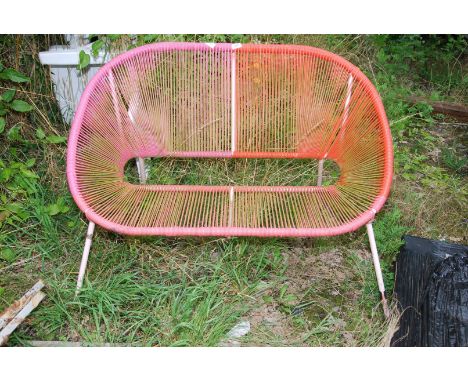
x=195 y=100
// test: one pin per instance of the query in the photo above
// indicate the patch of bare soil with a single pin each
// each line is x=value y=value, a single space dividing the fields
x=317 y=294
x=272 y=318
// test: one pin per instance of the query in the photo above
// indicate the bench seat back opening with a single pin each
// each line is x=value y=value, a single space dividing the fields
x=232 y=172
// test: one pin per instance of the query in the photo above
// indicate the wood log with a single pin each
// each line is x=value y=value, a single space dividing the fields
x=455 y=110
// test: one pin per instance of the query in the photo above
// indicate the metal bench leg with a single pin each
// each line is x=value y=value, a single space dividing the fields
x=141 y=170
x=378 y=270
x=320 y=171
x=84 y=259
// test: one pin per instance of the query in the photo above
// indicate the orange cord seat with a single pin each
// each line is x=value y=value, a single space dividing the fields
x=252 y=101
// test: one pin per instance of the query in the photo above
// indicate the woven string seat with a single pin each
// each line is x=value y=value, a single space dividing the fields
x=195 y=100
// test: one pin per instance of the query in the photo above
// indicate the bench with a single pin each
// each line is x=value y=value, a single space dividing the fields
x=196 y=100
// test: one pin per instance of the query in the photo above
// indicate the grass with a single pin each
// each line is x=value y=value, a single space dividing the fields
x=190 y=291
x=156 y=300
x=243 y=172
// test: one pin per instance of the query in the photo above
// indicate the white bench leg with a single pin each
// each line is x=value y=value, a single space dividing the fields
x=320 y=171
x=141 y=170
x=378 y=270
x=84 y=259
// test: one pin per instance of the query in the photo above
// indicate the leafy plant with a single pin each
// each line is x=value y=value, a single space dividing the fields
x=409 y=64
x=286 y=300
x=12 y=75
x=85 y=59
x=18 y=180
x=453 y=161
x=388 y=232
x=59 y=207
x=7 y=254
x=8 y=102
x=427 y=59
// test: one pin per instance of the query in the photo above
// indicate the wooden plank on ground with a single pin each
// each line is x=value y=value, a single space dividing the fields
x=75 y=344
x=19 y=318
x=9 y=313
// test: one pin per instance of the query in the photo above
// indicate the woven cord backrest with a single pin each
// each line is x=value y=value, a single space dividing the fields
x=201 y=100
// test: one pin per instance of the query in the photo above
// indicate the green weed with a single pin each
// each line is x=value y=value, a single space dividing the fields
x=389 y=231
